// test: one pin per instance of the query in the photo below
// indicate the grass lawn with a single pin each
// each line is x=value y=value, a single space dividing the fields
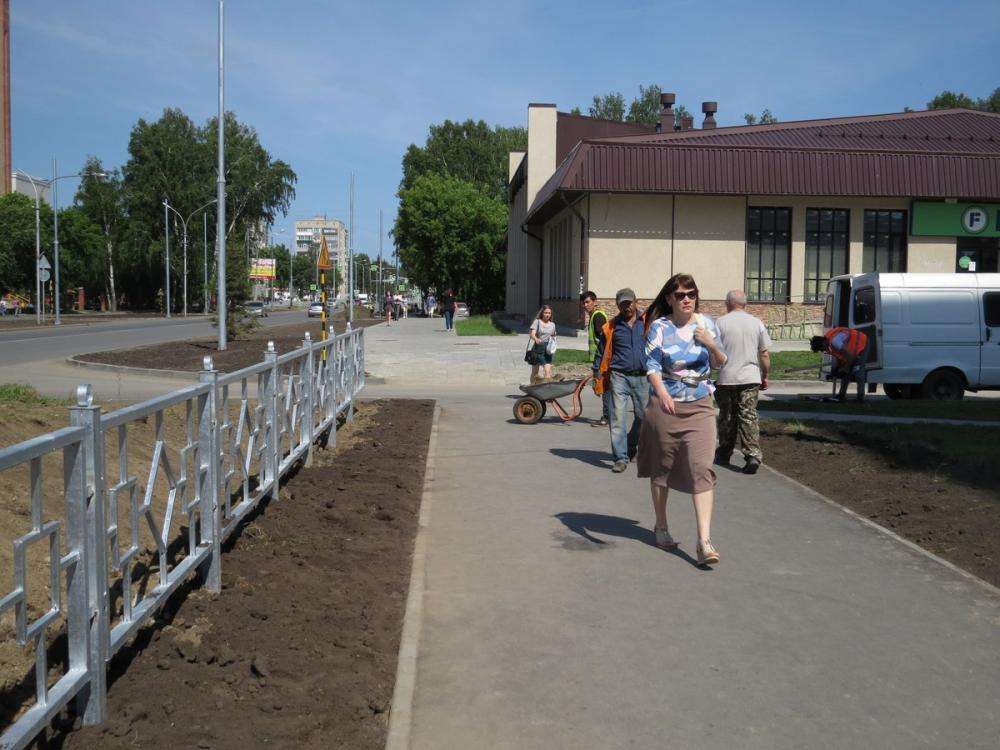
x=795 y=365
x=479 y=325
x=983 y=409
x=16 y=393
x=571 y=357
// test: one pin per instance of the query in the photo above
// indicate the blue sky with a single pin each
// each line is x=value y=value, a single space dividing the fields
x=337 y=87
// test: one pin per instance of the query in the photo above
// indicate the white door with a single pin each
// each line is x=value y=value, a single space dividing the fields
x=866 y=316
x=989 y=373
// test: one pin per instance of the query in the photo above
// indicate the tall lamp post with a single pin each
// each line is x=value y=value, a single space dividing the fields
x=38 y=248
x=220 y=186
x=55 y=226
x=184 y=225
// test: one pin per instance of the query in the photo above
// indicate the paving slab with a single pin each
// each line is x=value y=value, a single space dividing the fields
x=549 y=619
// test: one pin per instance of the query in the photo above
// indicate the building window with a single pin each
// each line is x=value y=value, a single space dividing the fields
x=826 y=249
x=768 y=258
x=885 y=242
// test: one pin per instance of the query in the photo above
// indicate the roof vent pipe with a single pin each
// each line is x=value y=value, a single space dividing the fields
x=687 y=122
x=709 y=109
x=667 y=112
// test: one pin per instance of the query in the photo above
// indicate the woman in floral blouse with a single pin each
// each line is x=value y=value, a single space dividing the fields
x=677 y=442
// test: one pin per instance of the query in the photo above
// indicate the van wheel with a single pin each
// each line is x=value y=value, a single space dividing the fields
x=898 y=391
x=943 y=385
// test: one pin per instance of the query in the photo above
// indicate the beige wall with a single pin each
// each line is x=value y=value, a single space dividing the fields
x=514 y=159
x=541 y=146
x=629 y=243
x=522 y=261
x=931 y=254
x=710 y=242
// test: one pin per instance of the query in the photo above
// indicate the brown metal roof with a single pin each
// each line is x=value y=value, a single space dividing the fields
x=938 y=154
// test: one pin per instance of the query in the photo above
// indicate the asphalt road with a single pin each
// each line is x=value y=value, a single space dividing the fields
x=24 y=345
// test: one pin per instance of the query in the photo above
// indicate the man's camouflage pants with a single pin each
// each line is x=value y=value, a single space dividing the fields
x=738 y=418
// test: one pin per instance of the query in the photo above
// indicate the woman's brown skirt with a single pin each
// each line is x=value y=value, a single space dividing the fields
x=677 y=450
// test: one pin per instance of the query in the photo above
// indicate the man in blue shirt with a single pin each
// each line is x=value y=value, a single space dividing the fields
x=622 y=355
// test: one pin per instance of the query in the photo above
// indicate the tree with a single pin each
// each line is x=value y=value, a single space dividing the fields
x=101 y=199
x=575 y=111
x=645 y=108
x=765 y=118
x=611 y=106
x=81 y=255
x=452 y=236
x=951 y=99
x=470 y=151
x=17 y=242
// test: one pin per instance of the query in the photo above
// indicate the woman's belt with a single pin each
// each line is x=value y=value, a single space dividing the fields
x=691 y=381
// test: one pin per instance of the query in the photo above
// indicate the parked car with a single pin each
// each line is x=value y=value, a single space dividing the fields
x=257 y=309
x=315 y=310
x=931 y=335
x=461 y=310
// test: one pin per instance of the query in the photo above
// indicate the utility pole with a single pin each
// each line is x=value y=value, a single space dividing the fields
x=204 y=287
x=55 y=232
x=166 y=256
x=220 y=188
x=350 y=258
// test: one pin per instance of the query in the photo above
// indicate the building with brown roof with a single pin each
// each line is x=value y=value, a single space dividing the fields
x=774 y=209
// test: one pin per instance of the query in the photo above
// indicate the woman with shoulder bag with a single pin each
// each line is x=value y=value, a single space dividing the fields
x=677 y=441
x=541 y=344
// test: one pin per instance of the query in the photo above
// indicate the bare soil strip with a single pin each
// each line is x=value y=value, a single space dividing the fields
x=242 y=352
x=299 y=649
x=938 y=487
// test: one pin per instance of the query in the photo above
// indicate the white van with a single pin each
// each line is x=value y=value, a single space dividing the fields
x=931 y=335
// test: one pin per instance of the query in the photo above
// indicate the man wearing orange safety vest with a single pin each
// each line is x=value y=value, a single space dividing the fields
x=849 y=349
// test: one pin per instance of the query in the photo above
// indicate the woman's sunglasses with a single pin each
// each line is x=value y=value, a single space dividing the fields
x=682 y=295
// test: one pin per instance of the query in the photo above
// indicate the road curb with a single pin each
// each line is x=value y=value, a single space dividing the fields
x=123 y=370
x=972 y=578
x=401 y=708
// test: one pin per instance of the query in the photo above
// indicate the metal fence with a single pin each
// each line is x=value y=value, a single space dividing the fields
x=238 y=434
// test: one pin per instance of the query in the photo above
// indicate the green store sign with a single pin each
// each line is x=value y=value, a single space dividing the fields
x=956 y=219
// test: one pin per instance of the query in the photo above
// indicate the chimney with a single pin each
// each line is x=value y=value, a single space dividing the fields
x=687 y=122
x=709 y=108
x=667 y=112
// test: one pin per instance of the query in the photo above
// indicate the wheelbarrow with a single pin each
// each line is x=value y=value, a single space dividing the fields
x=532 y=407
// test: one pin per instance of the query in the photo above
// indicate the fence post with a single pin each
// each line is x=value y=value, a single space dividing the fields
x=87 y=619
x=209 y=474
x=361 y=359
x=273 y=444
x=332 y=375
x=353 y=373
x=308 y=389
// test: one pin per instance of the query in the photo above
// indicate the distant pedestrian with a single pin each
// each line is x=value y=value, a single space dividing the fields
x=596 y=321
x=387 y=304
x=678 y=432
x=623 y=368
x=431 y=302
x=541 y=344
x=3 y=307
x=448 y=309
x=745 y=341
x=16 y=304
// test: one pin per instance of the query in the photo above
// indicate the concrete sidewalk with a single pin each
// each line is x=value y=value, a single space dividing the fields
x=549 y=619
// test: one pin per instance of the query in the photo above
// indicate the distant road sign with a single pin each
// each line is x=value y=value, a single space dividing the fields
x=43 y=263
x=43 y=274
x=323 y=262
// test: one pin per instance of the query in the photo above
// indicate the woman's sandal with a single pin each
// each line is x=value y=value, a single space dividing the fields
x=707 y=554
x=663 y=538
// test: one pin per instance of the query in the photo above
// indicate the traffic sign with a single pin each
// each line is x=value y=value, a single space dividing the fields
x=313 y=287
x=323 y=263
x=43 y=264
x=43 y=274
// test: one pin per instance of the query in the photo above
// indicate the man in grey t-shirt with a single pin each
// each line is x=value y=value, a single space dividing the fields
x=746 y=343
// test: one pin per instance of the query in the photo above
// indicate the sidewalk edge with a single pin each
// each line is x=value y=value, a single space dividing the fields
x=125 y=370
x=401 y=708
x=972 y=578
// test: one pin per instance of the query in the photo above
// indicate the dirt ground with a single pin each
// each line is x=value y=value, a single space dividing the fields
x=937 y=487
x=299 y=650
x=242 y=352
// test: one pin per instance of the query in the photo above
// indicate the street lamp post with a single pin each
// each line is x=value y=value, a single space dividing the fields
x=38 y=248
x=220 y=232
x=166 y=257
x=55 y=227
x=204 y=287
x=184 y=226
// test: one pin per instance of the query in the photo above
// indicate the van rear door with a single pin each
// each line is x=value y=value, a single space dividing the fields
x=989 y=370
x=866 y=315
x=836 y=314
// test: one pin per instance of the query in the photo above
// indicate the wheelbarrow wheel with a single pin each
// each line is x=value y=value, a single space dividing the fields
x=528 y=410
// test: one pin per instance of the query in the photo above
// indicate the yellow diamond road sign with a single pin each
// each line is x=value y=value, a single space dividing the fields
x=324 y=256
